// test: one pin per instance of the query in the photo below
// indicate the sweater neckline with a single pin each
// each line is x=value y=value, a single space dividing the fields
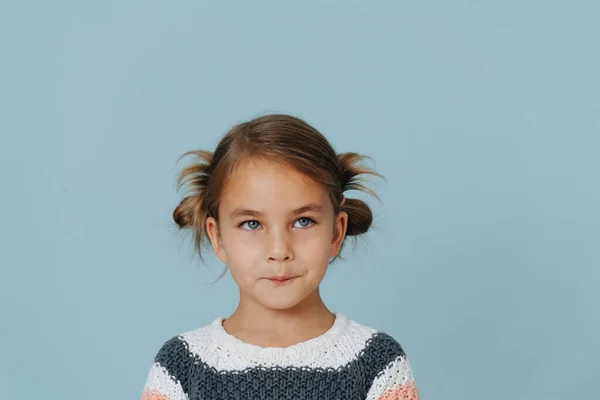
x=257 y=353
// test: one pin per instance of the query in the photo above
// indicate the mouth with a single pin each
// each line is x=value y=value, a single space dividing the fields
x=279 y=280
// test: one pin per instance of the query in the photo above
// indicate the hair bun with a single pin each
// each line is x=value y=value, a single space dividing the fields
x=360 y=216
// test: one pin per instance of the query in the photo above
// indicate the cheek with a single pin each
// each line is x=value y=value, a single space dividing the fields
x=243 y=255
x=314 y=245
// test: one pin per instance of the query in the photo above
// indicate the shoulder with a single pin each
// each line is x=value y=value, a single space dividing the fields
x=379 y=347
x=176 y=354
x=180 y=346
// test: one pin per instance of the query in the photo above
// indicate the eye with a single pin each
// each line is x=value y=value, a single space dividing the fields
x=304 y=222
x=251 y=225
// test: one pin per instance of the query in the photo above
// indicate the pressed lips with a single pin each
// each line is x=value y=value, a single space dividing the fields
x=280 y=279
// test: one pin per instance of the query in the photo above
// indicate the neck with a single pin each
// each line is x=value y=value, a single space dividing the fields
x=306 y=320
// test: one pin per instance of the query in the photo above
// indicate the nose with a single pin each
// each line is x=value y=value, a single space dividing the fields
x=280 y=247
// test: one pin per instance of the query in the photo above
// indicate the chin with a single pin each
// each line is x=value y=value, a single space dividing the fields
x=280 y=304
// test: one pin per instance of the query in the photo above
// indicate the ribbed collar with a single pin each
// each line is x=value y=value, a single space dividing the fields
x=311 y=347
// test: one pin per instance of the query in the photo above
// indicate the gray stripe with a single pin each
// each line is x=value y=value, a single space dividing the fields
x=175 y=357
x=352 y=381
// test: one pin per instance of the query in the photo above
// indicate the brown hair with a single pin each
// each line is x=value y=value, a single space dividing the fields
x=280 y=138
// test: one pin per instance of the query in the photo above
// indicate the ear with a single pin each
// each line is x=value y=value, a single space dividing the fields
x=339 y=233
x=212 y=230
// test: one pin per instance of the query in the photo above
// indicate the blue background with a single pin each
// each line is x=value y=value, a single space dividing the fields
x=483 y=115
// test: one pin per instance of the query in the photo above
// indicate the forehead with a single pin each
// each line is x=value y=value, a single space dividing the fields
x=265 y=184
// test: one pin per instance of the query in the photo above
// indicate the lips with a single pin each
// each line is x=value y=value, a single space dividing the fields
x=280 y=279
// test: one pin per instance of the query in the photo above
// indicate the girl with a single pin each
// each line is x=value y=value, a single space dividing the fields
x=270 y=202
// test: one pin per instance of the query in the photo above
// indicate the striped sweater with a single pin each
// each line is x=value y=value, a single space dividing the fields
x=349 y=361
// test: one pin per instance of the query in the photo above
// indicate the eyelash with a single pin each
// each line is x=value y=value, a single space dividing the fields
x=312 y=222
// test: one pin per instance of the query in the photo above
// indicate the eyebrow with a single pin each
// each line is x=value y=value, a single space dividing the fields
x=246 y=212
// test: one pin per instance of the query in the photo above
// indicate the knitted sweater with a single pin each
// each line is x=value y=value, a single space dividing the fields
x=349 y=361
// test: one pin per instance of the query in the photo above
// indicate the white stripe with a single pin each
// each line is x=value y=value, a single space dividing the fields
x=159 y=380
x=398 y=372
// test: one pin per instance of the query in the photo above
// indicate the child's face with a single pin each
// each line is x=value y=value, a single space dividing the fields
x=275 y=222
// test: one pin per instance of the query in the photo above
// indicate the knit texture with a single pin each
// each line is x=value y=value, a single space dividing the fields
x=350 y=361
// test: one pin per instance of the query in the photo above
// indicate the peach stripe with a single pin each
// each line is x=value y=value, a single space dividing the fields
x=402 y=392
x=154 y=395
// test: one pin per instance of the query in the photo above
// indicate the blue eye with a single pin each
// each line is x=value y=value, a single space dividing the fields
x=304 y=222
x=252 y=225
